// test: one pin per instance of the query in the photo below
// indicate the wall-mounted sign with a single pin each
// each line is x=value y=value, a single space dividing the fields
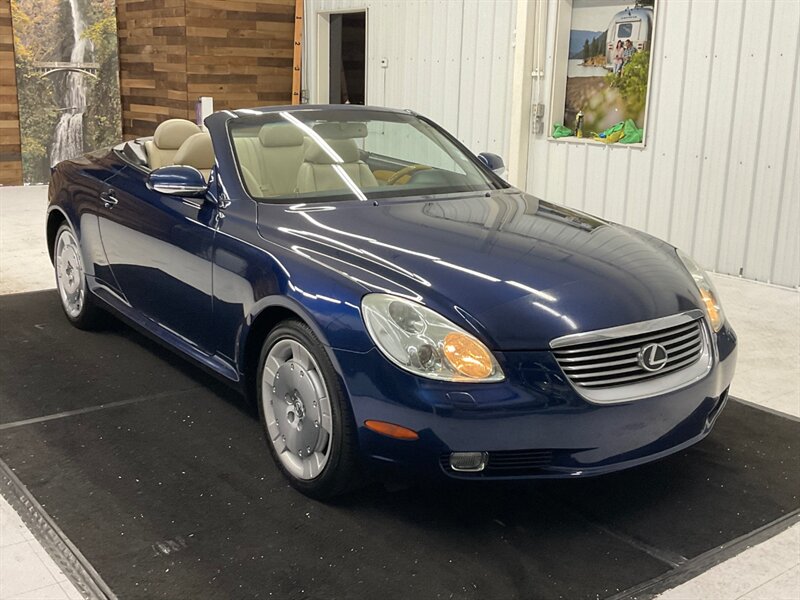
x=605 y=67
x=67 y=80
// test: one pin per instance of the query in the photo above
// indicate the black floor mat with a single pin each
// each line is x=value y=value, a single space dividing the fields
x=47 y=366
x=174 y=494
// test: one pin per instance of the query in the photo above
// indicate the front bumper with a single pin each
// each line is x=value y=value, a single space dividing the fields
x=533 y=424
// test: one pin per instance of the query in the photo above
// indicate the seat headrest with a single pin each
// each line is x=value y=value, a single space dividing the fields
x=197 y=151
x=280 y=135
x=341 y=131
x=346 y=149
x=173 y=132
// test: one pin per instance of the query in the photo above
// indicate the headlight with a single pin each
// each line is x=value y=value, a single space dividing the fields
x=707 y=291
x=423 y=342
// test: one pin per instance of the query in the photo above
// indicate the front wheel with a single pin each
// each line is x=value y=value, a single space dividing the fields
x=71 y=281
x=306 y=418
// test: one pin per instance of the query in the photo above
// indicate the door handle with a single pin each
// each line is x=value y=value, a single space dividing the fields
x=108 y=198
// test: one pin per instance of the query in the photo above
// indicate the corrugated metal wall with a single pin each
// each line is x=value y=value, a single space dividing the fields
x=449 y=60
x=720 y=175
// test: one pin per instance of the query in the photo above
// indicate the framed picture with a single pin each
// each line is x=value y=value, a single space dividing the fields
x=602 y=68
x=67 y=71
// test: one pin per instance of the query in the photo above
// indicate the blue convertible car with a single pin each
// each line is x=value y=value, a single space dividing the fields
x=389 y=301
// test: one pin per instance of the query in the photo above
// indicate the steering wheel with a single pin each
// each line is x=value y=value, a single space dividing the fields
x=409 y=170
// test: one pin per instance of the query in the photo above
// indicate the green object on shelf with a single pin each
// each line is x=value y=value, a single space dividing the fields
x=560 y=131
x=633 y=135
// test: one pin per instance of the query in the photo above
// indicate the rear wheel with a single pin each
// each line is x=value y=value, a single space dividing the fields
x=306 y=418
x=71 y=281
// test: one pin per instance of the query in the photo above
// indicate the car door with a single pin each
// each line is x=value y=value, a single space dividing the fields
x=159 y=248
x=79 y=184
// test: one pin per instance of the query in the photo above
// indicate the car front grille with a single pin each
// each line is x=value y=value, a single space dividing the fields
x=615 y=361
x=518 y=460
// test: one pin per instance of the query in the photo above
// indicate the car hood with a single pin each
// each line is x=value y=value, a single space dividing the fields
x=516 y=270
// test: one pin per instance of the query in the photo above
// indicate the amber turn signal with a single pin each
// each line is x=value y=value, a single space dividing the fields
x=467 y=355
x=391 y=430
x=712 y=308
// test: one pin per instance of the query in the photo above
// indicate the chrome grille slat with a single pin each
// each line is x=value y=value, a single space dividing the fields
x=605 y=355
x=646 y=375
x=630 y=346
x=676 y=349
x=676 y=356
x=694 y=352
x=639 y=339
x=634 y=369
x=691 y=334
x=592 y=356
x=602 y=376
x=606 y=362
x=611 y=363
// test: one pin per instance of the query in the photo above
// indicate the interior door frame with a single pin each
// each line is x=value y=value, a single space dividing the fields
x=323 y=42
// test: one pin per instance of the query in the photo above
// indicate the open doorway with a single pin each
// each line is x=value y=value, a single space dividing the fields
x=347 y=58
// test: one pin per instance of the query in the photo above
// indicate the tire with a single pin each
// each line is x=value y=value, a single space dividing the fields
x=76 y=301
x=307 y=420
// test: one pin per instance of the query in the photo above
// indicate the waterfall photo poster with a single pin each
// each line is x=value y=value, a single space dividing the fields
x=67 y=71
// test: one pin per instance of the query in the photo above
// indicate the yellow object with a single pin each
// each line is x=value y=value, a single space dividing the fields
x=467 y=355
x=405 y=174
x=382 y=175
x=614 y=137
x=713 y=309
x=609 y=139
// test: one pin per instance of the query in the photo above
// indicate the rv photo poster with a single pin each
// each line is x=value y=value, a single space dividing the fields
x=609 y=64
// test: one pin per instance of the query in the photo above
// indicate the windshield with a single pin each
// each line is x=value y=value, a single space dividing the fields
x=327 y=155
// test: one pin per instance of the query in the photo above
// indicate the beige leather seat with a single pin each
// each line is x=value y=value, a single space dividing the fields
x=198 y=152
x=271 y=161
x=323 y=166
x=167 y=138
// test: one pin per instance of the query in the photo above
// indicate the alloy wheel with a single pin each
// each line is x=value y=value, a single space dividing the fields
x=297 y=409
x=70 y=274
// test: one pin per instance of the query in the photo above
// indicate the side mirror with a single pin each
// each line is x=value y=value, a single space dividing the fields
x=178 y=180
x=493 y=161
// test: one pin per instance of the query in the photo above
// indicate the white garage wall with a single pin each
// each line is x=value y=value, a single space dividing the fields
x=720 y=175
x=448 y=60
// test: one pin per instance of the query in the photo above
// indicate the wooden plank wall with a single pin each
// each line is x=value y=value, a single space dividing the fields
x=174 y=51
x=240 y=52
x=10 y=152
x=171 y=52
x=152 y=61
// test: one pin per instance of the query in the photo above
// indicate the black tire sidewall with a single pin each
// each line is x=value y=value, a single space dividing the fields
x=338 y=474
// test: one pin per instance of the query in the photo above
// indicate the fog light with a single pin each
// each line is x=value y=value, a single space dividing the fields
x=468 y=461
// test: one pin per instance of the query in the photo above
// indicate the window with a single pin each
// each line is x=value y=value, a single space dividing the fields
x=407 y=144
x=625 y=30
x=309 y=155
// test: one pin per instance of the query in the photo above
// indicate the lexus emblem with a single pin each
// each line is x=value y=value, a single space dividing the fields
x=653 y=357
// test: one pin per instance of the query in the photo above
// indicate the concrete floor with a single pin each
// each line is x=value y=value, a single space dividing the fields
x=766 y=318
